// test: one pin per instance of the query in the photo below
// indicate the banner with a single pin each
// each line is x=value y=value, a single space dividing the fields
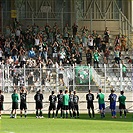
x=82 y=74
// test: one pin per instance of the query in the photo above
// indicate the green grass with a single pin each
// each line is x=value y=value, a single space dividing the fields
x=58 y=125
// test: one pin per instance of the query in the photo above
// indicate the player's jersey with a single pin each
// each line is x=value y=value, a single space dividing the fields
x=90 y=98
x=38 y=97
x=122 y=99
x=60 y=98
x=101 y=97
x=15 y=97
x=1 y=98
x=75 y=99
x=66 y=99
x=71 y=98
x=23 y=97
x=112 y=98
x=52 y=99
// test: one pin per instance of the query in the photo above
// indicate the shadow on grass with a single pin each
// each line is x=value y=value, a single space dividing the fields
x=107 y=117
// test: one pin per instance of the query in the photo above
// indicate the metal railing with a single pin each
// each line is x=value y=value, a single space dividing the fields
x=81 y=78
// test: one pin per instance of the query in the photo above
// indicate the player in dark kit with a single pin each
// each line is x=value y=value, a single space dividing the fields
x=76 y=107
x=1 y=102
x=23 y=105
x=60 y=103
x=71 y=104
x=90 y=105
x=39 y=105
x=122 y=105
x=52 y=99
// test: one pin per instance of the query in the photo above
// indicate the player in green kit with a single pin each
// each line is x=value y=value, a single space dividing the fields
x=15 y=99
x=65 y=104
x=100 y=97
x=122 y=106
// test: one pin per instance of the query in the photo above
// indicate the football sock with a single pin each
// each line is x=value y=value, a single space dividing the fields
x=53 y=114
x=70 y=114
x=36 y=112
x=93 y=113
x=49 y=114
x=66 y=114
x=40 y=113
x=120 y=113
x=125 y=112
x=56 y=113
x=25 y=113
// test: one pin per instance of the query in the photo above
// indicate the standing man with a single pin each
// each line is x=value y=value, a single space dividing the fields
x=112 y=98
x=60 y=103
x=23 y=105
x=100 y=97
x=39 y=104
x=1 y=102
x=65 y=104
x=122 y=106
x=15 y=99
x=76 y=106
x=71 y=104
x=52 y=99
x=90 y=105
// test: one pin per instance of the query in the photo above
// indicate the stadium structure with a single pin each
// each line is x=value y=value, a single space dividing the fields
x=115 y=15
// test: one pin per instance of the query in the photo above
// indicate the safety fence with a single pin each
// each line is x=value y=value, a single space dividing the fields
x=55 y=77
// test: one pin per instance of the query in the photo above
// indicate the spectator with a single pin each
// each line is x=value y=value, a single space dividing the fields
x=66 y=32
x=123 y=42
x=14 y=52
x=90 y=42
x=106 y=56
x=96 y=58
x=74 y=29
x=117 y=56
x=89 y=56
x=1 y=53
x=124 y=69
x=31 y=53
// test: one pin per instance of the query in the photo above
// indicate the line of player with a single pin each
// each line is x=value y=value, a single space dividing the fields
x=67 y=103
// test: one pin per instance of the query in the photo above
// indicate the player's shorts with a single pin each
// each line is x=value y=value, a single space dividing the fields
x=39 y=105
x=52 y=107
x=113 y=106
x=71 y=106
x=59 y=106
x=1 y=106
x=122 y=106
x=76 y=107
x=23 y=106
x=65 y=107
x=15 y=105
x=101 y=106
x=90 y=105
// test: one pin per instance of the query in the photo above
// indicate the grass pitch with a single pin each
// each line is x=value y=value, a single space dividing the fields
x=80 y=125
